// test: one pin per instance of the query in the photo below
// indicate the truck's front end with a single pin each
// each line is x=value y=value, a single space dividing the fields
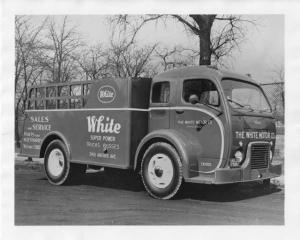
x=253 y=134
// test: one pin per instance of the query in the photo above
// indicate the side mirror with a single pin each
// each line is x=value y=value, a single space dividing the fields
x=193 y=99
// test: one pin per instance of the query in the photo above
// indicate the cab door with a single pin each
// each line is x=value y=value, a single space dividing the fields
x=200 y=116
x=159 y=115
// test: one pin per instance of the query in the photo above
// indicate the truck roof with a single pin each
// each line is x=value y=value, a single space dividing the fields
x=200 y=72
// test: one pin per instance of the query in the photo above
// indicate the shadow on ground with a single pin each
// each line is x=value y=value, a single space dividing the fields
x=112 y=178
x=117 y=179
x=226 y=193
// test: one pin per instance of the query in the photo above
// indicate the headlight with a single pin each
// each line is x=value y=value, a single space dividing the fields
x=237 y=160
x=238 y=156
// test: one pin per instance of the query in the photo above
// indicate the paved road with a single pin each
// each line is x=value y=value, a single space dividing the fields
x=113 y=200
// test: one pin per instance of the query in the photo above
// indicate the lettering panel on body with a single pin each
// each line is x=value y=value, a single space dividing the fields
x=103 y=137
x=36 y=126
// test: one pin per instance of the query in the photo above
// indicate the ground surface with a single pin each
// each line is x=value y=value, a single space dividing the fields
x=114 y=199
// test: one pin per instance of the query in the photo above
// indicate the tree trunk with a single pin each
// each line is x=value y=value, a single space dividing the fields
x=205 y=23
x=205 y=51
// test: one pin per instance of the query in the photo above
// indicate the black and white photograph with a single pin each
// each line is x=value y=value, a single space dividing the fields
x=122 y=117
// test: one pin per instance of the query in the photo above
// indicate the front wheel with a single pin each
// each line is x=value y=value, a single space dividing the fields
x=57 y=164
x=161 y=171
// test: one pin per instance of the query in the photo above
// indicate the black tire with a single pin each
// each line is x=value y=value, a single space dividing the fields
x=266 y=182
x=66 y=172
x=168 y=156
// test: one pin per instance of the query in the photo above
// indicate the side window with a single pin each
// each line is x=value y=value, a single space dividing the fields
x=32 y=93
x=75 y=103
x=161 y=92
x=75 y=90
x=31 y=102
x=63 y=103
x=200 y=91
x=86 y=92
x=40 y=92
x=40 y=104
x=63 y=91
x=86 y=89
x=51 y=93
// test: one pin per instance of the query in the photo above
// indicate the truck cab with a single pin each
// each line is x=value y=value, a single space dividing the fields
x=223 y=120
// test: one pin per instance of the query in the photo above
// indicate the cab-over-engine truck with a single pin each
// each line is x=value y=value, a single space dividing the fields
x=194 y=124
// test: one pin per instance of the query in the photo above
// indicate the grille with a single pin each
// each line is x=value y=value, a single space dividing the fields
x=260 y=156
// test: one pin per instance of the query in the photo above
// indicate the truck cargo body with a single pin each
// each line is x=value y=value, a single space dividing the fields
x=100 y=133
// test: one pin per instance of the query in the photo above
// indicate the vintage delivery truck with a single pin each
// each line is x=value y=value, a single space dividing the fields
x=195 y=124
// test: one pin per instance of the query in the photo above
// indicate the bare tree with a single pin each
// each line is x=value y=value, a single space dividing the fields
x=213 y=45
x=93 y=62
x=28 y=49
x=279 y=91
x=276 y=92
x=129 y=60
x=64 y=42
x=174 y=57
x=125 y=57
x=280 y=73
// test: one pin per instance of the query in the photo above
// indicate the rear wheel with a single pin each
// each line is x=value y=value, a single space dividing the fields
x=161 y=171
x=57 y=164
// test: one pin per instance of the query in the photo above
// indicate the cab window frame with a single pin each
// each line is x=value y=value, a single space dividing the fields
x=200 y=79
x=152 y=92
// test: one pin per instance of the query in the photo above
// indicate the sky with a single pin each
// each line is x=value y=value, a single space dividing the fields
x=261 y=52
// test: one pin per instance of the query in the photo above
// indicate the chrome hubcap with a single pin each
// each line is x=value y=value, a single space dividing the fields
x=160 y=170
x=56 y=162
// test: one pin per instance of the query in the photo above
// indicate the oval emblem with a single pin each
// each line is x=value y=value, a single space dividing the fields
x=106 y=94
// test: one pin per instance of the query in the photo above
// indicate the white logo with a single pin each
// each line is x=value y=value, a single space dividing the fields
x=103 y=124
x=106 y=94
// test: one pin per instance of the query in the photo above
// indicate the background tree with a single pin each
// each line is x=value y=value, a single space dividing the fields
x=28 y=70
x=275 y=92
x=93 y=62
x=174 y=57
x=52 y=52
x=213 y=45
x=278 y=96
x=129 y=60
x=126 y=58
x=63 y=42
x=279 y=79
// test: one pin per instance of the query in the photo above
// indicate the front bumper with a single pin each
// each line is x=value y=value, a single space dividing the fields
x=224 y=175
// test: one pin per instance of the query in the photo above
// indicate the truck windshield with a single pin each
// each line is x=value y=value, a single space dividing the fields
x=245 y=95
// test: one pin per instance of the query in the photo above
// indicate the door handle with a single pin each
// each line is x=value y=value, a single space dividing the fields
x=179 y=111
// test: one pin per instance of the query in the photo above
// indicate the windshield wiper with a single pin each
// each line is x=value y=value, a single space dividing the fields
x=241 y=105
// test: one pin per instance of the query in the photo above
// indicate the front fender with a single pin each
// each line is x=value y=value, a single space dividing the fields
x=186 y=145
